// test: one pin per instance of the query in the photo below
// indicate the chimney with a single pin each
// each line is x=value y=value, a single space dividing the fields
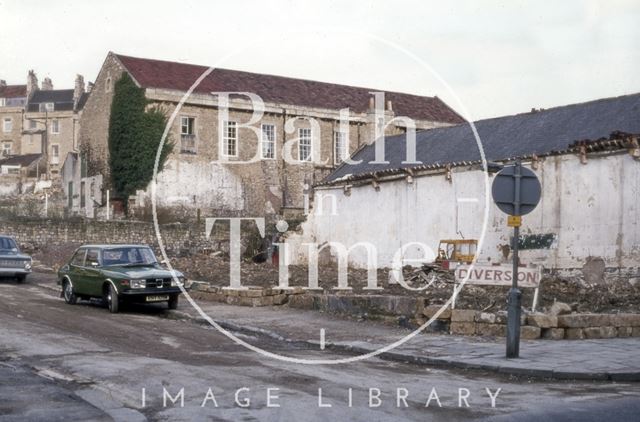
x=47 y=85
x=3 y=83
x=32 y=83
x=78 y=88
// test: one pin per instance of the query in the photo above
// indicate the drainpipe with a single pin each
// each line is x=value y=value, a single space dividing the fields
x=285 y=186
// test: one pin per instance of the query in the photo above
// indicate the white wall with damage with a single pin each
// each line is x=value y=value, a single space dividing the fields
x=587 y=211
x=198 y=185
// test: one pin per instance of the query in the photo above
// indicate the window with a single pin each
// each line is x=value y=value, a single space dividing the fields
x=78 y=258
x=55 y=126
x=186 y=125
x=55 y=154
x=187 y=135
x=268 y=141
x=107 y=85
x=7 y=124
x=48 y=107
x=6 y=148
x=304 y=144
x=3 y=102
x=340 y=147
x=33 y=124
x=230 y=139
x=93 y=258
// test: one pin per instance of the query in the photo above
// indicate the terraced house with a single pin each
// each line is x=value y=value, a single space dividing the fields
x=13 y=99
x=208 y=167
x=51 y=123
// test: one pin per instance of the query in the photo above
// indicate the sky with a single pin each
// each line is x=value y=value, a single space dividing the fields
x=484 y=58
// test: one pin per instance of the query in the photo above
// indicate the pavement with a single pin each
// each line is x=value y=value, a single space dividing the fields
x=614 y=359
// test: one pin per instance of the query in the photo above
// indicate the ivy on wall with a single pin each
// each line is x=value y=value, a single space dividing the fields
x=135 y=132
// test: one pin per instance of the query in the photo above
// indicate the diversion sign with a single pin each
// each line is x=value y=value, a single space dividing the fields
x=497 y=275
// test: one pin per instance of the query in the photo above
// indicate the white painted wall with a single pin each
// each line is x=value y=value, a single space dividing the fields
x=198 y=185
x=593 y=209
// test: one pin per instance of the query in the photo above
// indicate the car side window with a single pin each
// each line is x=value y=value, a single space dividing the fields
x=78 y=258
x=92 y=257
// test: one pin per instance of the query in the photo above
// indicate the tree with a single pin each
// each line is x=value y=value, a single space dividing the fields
x=135 y=133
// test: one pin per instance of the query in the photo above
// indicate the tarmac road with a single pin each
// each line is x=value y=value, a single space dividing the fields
x=62 y=362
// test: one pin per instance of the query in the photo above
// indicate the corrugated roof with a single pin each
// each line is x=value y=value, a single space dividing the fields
x=180 y=76
x=540 y=132
x=13 y=91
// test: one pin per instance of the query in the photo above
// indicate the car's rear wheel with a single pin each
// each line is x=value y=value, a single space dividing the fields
x=173 y=302
x=67 y=293
x=111 y=298
x=21 y=278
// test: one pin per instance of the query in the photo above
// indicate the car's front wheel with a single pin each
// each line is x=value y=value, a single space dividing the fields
x=173 y=302
x=21 y=278
x=67 y=293
x=111 y=298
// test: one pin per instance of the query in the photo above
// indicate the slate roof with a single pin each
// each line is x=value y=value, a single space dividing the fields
x=13 y=91
x=541 y=132
x=180 y=76
x=20 y=160
x=62 y=98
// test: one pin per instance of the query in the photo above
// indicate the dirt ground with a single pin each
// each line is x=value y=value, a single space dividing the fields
x=583 y=297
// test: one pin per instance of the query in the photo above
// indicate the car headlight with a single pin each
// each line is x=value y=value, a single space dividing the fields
x=179 y=282
x=27 y=265
x=138 y=284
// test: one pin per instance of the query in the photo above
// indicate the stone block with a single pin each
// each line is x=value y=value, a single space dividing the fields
x=552 y=333
x=542 y=320
x=528 y=332
x=625 y=331
x=254 y=293
x=485 y=317
x=431 y=310
x=281 y=299
x=625 y=320
x=584 y=320
x=559 y=308
x=463 y=315
x=600 y=332
x=463 y=328
x=301 y=302
x=574 y=333
x=493 y=330
x=635 y=332
x=501 y=318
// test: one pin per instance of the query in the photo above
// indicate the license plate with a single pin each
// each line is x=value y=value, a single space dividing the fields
x=156 y=298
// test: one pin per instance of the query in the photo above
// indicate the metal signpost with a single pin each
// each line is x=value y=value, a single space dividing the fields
x=516 y=191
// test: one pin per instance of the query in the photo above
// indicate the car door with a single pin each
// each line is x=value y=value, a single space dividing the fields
x=93 y=278
x=76 y=271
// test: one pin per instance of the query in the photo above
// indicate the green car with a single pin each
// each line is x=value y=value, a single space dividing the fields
x=118 y=273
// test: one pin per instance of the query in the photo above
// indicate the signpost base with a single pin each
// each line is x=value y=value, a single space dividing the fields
x=514 y=310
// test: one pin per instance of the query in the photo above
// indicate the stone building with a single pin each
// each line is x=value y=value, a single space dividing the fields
x=587 y=223
x=52 y=123
x=207 y=169
x=13 y=99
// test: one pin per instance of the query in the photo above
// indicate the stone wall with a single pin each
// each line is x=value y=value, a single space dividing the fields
x=178 y=239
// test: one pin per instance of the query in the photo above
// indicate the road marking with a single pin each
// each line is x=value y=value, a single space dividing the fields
x=468 y=200
x=322 y=339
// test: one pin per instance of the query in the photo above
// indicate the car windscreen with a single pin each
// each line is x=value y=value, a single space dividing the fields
x=7 y=244
x=128 y=256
